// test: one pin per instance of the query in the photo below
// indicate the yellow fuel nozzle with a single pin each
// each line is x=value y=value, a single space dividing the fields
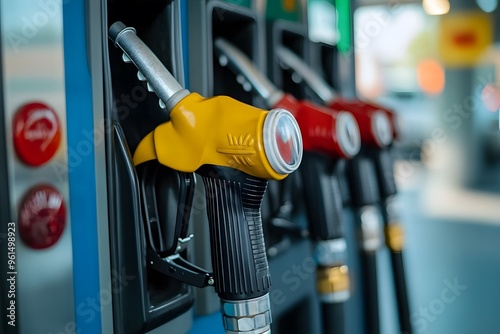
x=224 y=132
x=216 y=131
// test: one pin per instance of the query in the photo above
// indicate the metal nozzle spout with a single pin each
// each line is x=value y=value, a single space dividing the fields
x=150 y=67
x=240 y=64
x=310 y=77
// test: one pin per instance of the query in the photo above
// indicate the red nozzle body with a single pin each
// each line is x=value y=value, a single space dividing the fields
x=354 y=105
x=333 y=133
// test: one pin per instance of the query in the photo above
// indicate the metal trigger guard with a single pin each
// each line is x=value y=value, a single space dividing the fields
x=166 y=200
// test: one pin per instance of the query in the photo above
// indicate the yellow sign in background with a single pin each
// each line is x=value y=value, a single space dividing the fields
x=463 y=37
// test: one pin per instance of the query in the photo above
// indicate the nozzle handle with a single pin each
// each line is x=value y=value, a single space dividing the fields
x=306 y=73
x=323 y=196
x=362 y=181
x=159 y=79
x=239 y=260
x=385 y=172
x=240 y=64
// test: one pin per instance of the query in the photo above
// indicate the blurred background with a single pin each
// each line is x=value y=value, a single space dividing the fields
x=436 y=63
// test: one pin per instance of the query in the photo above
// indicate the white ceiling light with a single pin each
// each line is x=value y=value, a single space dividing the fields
x=436 y=7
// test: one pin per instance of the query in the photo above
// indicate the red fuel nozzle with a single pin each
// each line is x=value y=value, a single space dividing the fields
x=355 y=105
x=334 y=133
x=326 y=93
x=374 y=126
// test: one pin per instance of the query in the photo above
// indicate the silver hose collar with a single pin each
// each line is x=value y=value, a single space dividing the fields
x=251 y=316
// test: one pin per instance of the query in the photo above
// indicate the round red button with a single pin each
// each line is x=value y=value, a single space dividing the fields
x=42 y=217
x=37 y=133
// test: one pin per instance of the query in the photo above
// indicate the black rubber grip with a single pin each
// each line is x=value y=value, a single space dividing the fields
x=362 y=181
x=384 y=166
x=239 y=257
x=398 y=271
x=323 y=196
x=333 y=315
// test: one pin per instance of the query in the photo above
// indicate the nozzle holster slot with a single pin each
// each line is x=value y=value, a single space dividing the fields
x=239 y=26
x=293 y=36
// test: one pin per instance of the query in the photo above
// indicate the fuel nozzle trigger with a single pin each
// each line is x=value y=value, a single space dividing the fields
x=167 y=197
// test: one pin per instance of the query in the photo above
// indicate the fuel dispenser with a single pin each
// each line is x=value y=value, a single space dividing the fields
x=113 y=252
x=269 y=147
x=371 y=180
x=130 y=212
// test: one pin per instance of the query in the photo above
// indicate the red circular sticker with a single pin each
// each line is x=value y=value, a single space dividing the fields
x=42 y=217
x=37 y=133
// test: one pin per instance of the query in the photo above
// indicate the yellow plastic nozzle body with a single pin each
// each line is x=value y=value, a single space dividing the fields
x=210 y=131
